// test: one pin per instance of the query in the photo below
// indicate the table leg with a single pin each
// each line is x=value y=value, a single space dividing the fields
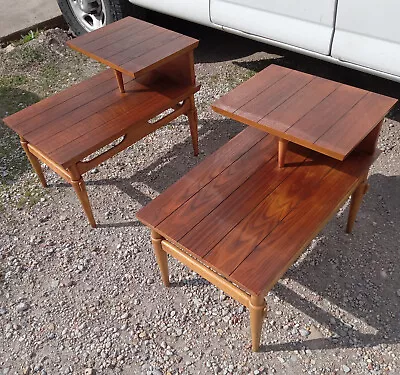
x=257 y=309
x=282 y=149
x=34 y=162
x=356 y=199
x=161 y=256
x=80 y=188
x=120 y=81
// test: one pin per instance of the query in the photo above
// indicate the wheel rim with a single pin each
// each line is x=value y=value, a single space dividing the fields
x=89 y=21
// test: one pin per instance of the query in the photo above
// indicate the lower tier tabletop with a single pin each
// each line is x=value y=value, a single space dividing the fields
x=247 y=219
x=74 y=123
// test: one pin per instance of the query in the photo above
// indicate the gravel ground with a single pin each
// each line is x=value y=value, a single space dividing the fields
x=74 y=300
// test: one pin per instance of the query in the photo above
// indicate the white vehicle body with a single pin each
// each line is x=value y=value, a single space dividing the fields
x=360 y=34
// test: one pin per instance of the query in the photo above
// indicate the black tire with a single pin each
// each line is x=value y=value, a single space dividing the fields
x=113 y=10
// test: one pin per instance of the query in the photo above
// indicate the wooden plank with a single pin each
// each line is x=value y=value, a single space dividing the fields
x=211 y=195
x=352 y=128
x=157 y=57
x=131 y=53
x=250 y=89
x=128 y=43
x=116 y=37
x=104 y=31
x=108 y=108
x=275 y=254
x=302 y=102
x=268 y=100
x=150 y=106
x=176 y=195
x=316 y=122
x=44 y=105
x=242 y=240
x=215 y=226
x=74 y=110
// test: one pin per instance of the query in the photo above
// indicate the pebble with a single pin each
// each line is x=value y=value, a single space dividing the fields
x=304 y=332
x=346 y=369
x=22 y=306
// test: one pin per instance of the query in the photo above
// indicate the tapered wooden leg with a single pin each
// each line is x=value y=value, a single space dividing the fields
x=282 y=149
x=193 y=122
x=257 y=311
x=34 y=162
x=355 y=203
x=80 y=189
x=161 y=256
x=120 y=81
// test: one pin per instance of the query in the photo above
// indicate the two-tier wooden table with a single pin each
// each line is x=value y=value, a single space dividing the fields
x=155 y=73
x=239 y=219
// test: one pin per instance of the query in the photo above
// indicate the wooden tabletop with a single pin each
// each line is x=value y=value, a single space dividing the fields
x=132 y=46
x=72 y=124
x=323 y=115
x=246 y=218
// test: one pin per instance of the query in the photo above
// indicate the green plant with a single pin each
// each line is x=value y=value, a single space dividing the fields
x=30 y=36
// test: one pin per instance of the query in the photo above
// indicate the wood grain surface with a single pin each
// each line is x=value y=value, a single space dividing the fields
x=87 y=116
x=246 y=218
x=325 y=116
x=133 y=47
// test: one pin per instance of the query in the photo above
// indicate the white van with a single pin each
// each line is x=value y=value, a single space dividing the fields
x=360 y=34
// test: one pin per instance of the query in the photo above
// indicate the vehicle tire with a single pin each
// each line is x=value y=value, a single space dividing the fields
x=84 y=16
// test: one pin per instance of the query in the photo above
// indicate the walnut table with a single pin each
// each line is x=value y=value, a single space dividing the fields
x=239 y=219
x=64 y=130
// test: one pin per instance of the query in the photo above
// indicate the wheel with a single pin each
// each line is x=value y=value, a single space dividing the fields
x=84 y=16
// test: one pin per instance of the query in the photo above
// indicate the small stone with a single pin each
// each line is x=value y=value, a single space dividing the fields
x=3 y=311
x=22 y=306
x=90 y=371
x=346 y=369
x=124 y=316
x=304 y=332
x=179 y=332
x=398 y=292
x=9 y=48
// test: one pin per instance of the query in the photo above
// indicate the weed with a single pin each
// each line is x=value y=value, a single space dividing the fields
x=28 y=37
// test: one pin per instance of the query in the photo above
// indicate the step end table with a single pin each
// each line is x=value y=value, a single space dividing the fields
x=154 y=71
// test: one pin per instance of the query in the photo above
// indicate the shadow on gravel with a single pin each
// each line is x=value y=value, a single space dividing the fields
x=175 y=163
x=356 y=273
x=13 y=161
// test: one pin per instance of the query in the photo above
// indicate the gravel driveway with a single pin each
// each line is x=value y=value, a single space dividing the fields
x=76 y=300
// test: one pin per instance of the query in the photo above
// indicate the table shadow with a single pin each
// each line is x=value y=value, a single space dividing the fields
x=175 y=164
x=356 y=273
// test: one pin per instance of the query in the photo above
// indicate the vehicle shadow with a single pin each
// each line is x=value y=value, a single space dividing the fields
x=356 y=274
x=219 y=46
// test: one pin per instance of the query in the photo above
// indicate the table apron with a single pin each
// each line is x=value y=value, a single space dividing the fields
x=219 y=281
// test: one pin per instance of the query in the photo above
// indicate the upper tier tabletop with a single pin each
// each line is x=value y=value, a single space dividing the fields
x=132 y=46
x=323 y=115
